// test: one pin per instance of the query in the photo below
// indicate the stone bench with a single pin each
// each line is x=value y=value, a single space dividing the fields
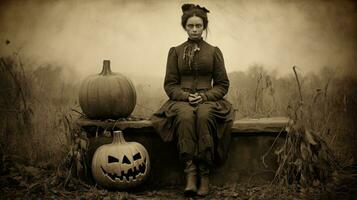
x=251 y=140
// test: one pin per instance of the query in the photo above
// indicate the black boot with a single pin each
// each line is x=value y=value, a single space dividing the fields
x=203 y=170
x=191 y=179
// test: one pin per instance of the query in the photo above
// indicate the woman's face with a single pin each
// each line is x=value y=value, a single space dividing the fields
x=194 y=27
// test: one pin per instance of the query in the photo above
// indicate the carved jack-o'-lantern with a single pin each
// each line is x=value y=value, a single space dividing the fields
x=120 y=164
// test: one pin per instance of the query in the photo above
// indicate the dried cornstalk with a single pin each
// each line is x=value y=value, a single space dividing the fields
x=304 y=158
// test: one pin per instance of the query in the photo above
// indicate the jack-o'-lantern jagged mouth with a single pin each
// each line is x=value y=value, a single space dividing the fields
x=132 y=172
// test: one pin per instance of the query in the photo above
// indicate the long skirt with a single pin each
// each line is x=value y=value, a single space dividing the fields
x=202 y=132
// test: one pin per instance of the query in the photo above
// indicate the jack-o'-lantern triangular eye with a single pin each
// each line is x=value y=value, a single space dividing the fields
x=112 y=159
x=137 y=156
x=126 y=160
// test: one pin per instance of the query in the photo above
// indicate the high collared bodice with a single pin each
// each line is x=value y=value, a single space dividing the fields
x=199 y=74
x=205 y=74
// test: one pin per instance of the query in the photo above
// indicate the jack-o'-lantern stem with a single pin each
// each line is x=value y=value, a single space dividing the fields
x=118 y=137
x=106 y=68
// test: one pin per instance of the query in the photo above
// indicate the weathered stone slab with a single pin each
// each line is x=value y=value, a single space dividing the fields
x=251 y=140
x=247 y=125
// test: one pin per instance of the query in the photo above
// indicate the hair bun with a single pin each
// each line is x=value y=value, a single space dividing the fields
x=189 y=6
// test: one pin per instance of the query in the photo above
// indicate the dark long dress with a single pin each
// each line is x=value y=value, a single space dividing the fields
x=202 y=132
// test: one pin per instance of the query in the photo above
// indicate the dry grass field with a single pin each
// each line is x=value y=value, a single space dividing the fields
x=38 y=107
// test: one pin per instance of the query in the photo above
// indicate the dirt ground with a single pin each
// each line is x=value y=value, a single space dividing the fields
x=21 y=180
x=44 y=182
x=224 y=192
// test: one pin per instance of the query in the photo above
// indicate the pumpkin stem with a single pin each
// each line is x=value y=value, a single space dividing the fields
x=118 y=137
x=106 y=68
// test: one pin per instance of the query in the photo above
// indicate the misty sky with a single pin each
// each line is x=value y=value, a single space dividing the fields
x=136 y=35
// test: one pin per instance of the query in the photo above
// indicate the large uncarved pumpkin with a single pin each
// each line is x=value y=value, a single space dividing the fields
x=121 y=164
x=107 y=95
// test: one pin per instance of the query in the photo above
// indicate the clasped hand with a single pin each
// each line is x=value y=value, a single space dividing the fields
x=194 y=99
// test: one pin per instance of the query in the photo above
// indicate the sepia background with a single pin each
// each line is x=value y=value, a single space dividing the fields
x=78 y=35
x=48 y=47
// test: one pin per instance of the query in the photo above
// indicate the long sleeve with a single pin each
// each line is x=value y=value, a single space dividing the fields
x=220 y=78
x=172 y=79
